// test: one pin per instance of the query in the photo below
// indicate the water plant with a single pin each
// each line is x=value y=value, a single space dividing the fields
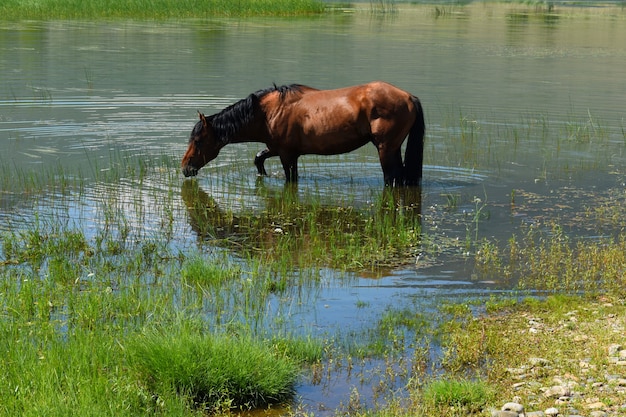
x=300 y=231
x=383 y=6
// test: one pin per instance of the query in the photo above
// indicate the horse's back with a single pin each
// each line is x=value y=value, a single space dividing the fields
x=343 y=119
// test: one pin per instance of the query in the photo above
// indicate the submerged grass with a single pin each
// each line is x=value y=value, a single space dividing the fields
x=295 y=231
x=158 y=9
x=548 y=260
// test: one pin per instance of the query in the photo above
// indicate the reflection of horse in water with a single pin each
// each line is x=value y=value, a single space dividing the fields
x=286 y=214
x=206 y=218
x=298 y=120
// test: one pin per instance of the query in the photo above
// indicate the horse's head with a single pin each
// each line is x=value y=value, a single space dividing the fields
x=203 y=147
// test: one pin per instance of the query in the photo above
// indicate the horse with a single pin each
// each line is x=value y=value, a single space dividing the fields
x=294 y=120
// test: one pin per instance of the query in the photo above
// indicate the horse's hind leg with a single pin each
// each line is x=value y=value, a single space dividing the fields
x=393 y=169
x=260 y=158
x=290 y=165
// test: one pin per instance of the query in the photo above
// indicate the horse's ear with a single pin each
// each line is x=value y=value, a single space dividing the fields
x=202 y=118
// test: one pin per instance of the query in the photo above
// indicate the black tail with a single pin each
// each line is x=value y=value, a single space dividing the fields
x=414 y=153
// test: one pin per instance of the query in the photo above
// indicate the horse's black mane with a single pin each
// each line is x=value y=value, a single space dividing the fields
x=238 y=115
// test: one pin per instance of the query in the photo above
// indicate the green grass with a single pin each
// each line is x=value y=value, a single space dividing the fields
x=551 y=261
x=158 y=9
x=460 y=395
x=213 y=371
x=202 y=272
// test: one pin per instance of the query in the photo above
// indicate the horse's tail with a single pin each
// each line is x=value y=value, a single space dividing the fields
x=414 y=153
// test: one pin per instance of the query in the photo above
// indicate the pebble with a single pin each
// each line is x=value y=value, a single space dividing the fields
x=539 y=362
x=614 y=349
x=557 y=391
x=514 y=407
x=596 y=405
x=501 y=413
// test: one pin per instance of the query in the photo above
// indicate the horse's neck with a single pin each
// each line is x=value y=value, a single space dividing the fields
x=256 y=131
x=271 y=108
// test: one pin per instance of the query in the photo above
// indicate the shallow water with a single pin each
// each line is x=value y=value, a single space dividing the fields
x=525 y=116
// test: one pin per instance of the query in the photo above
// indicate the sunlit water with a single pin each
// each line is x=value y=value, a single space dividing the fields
x=525 y=117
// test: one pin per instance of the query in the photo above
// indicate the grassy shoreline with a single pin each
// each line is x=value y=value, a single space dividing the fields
x=158 y=9
x=15 y=10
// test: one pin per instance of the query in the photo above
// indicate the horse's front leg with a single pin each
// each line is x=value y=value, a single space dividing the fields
x=260 y=158
x=290 y=165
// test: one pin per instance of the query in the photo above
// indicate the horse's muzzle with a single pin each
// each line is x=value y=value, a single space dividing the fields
x=190 y=171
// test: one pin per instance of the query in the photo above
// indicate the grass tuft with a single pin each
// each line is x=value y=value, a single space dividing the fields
x=214 y=371
x=202 y=272
x=470 y=396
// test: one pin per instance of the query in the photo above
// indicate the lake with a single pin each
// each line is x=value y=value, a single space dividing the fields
x=525 y=121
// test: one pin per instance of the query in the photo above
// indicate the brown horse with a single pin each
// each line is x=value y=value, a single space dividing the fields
x=297 y=120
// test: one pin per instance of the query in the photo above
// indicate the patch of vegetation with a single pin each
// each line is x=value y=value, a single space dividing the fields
x=551 y=261
x=213 y=371
x=158 y=9
x=301 y=232
x=458 y=395
x=202 y=272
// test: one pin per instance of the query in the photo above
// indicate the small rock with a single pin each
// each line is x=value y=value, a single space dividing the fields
x=552 y=411
x=614 y=349
x=597 y=414
x=539 y=362
x=515 y=407
x=557 y=391
x=536 y=414
x=596 y=405
x=620 y=382
x=501 y=413
x=515 y=371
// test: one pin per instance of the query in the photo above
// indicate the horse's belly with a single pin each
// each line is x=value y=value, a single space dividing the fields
x=334 y=132
x=332 y=144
